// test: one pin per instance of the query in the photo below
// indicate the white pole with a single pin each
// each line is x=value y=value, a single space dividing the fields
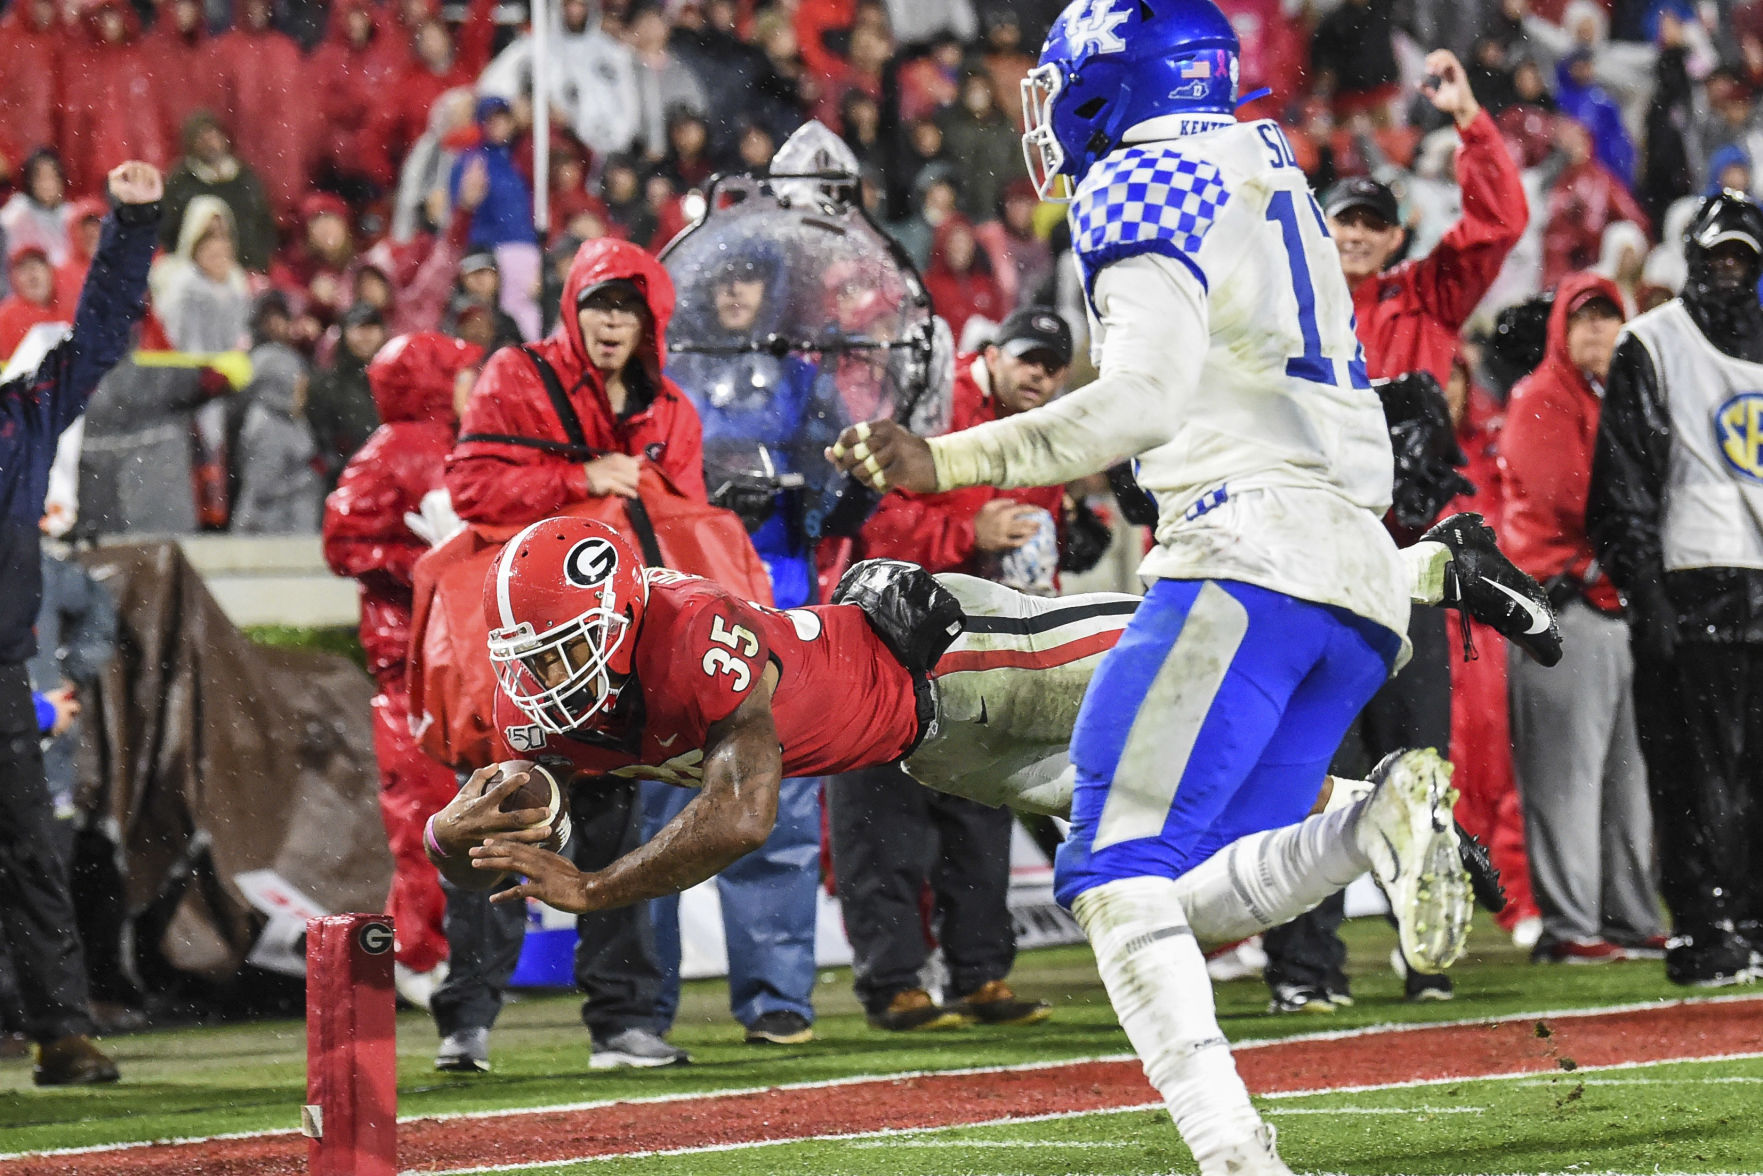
x=541 y=18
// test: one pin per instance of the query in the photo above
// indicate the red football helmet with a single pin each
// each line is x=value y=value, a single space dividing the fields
x=562 y=600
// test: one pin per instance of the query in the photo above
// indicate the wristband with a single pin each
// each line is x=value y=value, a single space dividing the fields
x=428 y=839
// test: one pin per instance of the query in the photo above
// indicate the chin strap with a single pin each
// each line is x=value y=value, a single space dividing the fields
x=1252 y=96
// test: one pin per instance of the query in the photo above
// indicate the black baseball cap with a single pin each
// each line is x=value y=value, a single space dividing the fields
x=1032 y=329
x=1362 y=192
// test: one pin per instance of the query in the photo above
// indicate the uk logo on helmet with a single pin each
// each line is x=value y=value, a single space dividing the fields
x=1094 y=29
x=590 y=563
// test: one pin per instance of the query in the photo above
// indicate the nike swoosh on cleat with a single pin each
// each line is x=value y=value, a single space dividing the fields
x=1539 y=620
x=1395 y=858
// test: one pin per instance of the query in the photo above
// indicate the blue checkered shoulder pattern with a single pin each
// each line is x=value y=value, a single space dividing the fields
x=1145 y=200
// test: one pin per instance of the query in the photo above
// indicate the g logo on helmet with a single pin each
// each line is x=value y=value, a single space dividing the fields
x=590 y=563
x=1738 y=430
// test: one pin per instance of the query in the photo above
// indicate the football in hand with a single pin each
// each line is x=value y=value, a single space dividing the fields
x=541 y=790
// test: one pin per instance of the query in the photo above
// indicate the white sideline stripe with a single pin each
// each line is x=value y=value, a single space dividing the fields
x=869 y=1144
x=1649 y=1081
x=889 y=1133
x=1507 y=1076
x=1016 y=1068
x=1377 y=1110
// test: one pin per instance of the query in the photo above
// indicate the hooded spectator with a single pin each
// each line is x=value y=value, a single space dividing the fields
x=111 y=108
x=1621 y=257
x=1586 y=199
x=1580 y=772
x=872 y=50
x=1581 y=98
x=607 y=354
x=181 y=48
x=36 y=214
x=401 y=114
x=934 y=204
x=200 y=291
x=85 y=220
x=279 y=491
x=340 y=412
x=351 y=73
x=420 y=383
x=269 y=103
x=32 y=300
x=209 y=168
x=422 y=200
x=505 y=215
x=32 y=44
x=593 y=78
x=960 y=278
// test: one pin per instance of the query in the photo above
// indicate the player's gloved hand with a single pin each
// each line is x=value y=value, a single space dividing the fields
x=884 y=456
x=1084 y=539
x=550 y=878
x=751 y=496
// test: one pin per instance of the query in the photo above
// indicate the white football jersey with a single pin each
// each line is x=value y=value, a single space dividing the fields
x=1284 y=424
x=1223 y=330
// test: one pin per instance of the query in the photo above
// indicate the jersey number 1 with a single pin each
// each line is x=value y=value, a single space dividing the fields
x=1311 y=364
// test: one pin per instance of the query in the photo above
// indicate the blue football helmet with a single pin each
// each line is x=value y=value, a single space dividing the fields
x=1110 y=65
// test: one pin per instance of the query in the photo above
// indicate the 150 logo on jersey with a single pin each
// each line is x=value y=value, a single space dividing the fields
x=720 y=658
x=1738 y=430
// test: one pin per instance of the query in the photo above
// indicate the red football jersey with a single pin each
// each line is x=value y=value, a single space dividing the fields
x=842 y=700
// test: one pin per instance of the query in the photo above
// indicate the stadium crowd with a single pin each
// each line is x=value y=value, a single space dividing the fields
x=343 y=174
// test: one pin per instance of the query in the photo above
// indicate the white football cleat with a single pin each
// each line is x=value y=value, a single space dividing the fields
x=1407 y=830
x=1257 y=1158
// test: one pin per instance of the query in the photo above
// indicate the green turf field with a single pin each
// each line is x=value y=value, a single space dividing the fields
x=204 y=1081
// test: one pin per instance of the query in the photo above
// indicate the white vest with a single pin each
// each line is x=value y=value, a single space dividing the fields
x=1714 y=488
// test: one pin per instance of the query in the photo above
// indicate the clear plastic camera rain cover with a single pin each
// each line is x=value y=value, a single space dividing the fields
x=796 y=317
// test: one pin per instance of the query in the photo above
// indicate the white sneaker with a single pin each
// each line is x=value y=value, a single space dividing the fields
x=1257 y=1158
x=1407 y=831
x=635 y=1047
x=1238 y=962
x=418 y=988
x=1526 y=932
x=465 y=1052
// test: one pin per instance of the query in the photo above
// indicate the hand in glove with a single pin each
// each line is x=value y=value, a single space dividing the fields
x=434 y=522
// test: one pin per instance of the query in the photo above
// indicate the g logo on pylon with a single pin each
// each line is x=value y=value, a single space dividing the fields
x=375 y=938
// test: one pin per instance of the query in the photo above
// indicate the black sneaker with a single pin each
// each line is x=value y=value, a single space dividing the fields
x=780 y=1027
x=1482 y=583
x=1484 y=876
x=1299 y=998
x=1711 y=959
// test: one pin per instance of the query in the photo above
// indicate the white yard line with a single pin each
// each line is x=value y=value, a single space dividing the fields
x=898 y=1135
x=1021 y=1067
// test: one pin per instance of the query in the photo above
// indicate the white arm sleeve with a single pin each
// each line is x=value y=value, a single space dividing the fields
x=1155 y=337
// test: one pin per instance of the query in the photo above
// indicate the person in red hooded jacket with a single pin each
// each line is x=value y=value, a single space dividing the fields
x=85 y=216
x=515 y=464
x=361 y=58
x=420 y=383
x=33 y=42
x=269 y=108
x=607 y=353
x=1577 y=756
x=111 y=107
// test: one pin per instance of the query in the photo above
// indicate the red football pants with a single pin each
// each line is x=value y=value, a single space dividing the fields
x=1481 y=750
x=412 y=786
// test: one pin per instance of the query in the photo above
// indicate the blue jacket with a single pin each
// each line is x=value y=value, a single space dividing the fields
x=506 y=215
x=35 y=408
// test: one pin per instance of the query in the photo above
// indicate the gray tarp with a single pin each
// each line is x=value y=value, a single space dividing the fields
x=209 y=756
